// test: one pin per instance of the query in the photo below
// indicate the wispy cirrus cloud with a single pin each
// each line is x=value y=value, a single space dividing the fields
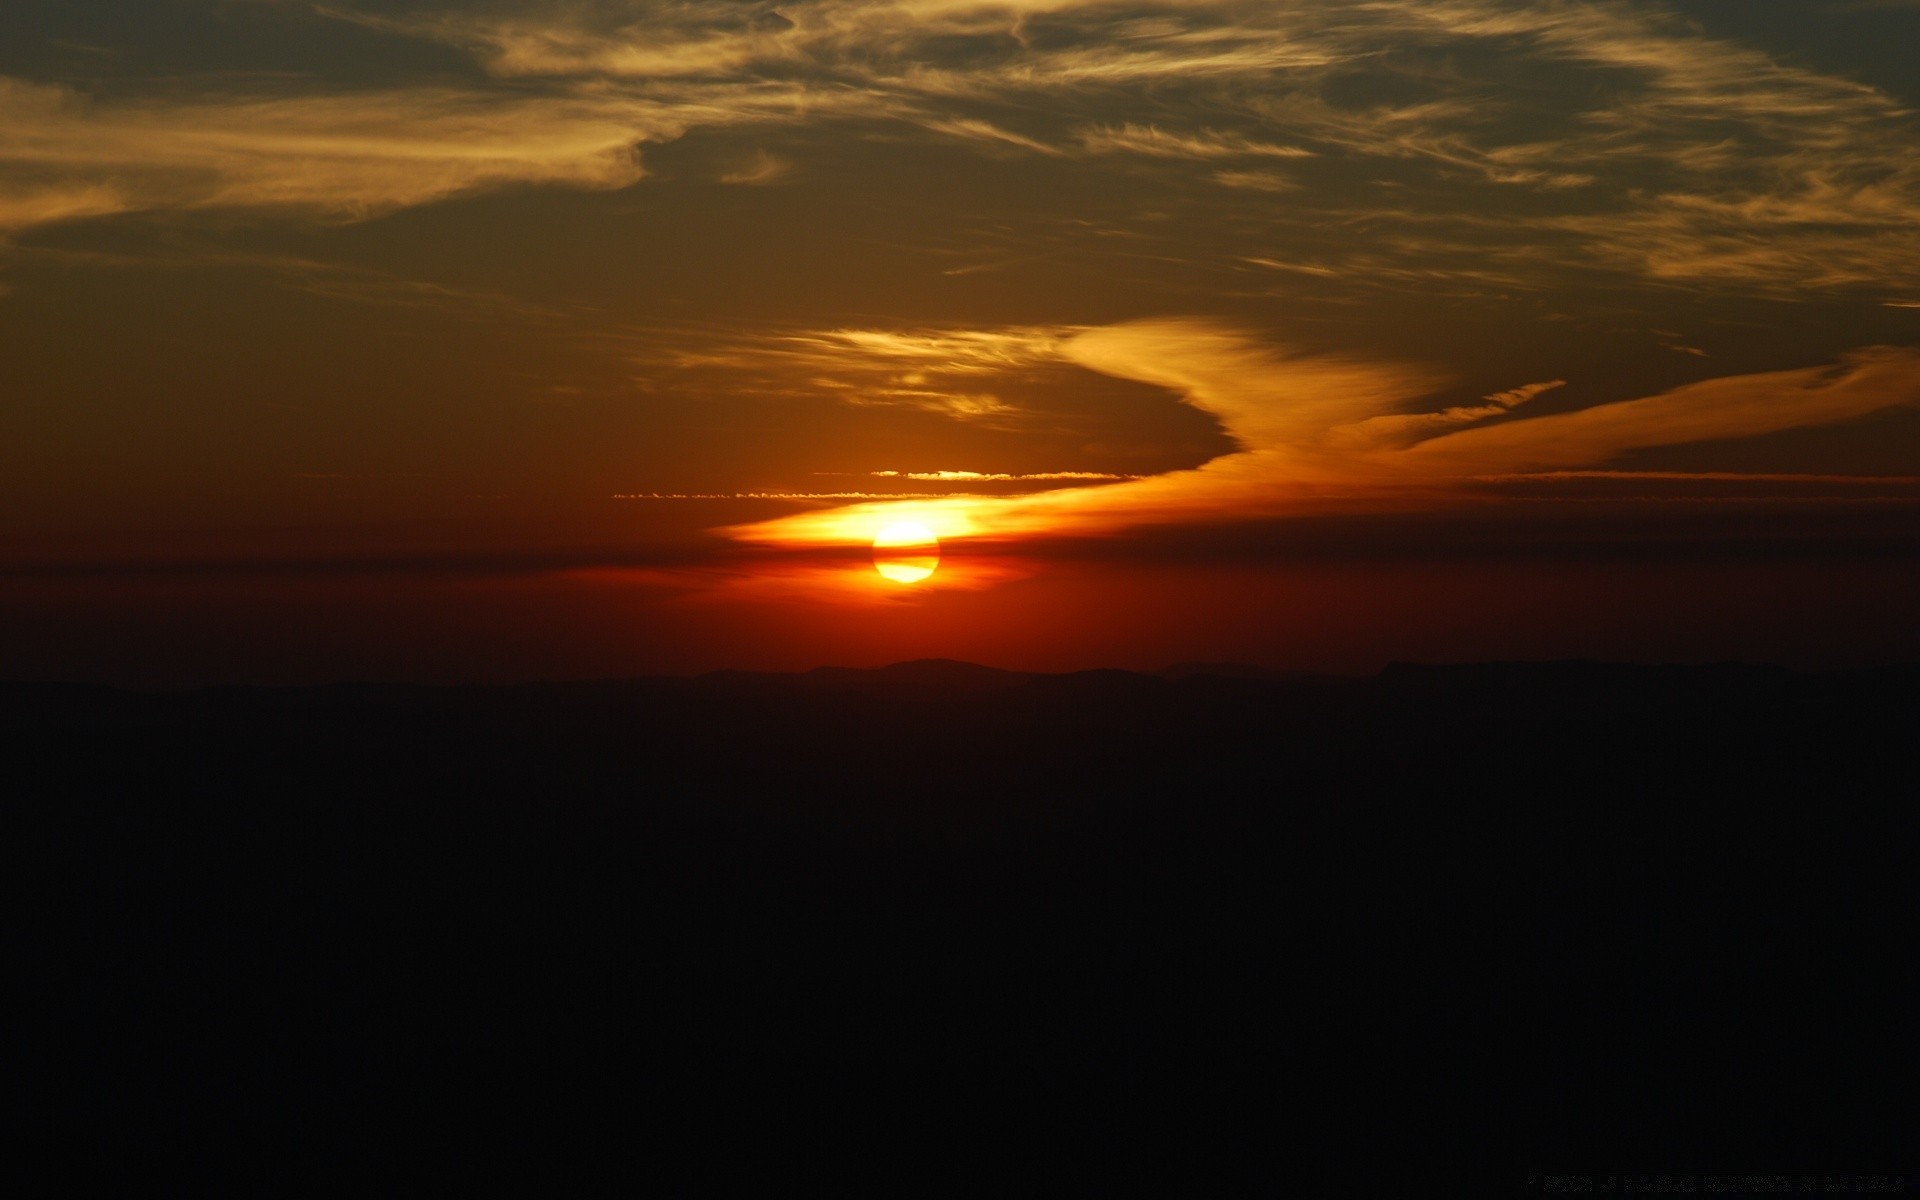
x=763 y=169
x=65 y=156
x=335 y=281
x=1652 y=150
x=943 y=371
x=1004 y=476
x=951 y=351
x=27 y=205
x=1154 y=142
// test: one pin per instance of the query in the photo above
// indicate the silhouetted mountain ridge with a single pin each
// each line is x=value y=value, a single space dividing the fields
x=1228 y=670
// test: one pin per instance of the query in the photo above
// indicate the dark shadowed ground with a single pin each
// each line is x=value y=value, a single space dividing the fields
x=1516 y=914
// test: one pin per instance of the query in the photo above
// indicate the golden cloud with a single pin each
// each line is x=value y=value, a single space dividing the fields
x=1319 y=432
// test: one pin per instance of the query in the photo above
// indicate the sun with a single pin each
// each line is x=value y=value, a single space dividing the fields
x=906 y=552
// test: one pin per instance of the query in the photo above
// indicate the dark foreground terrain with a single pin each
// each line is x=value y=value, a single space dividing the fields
x=1526 y=914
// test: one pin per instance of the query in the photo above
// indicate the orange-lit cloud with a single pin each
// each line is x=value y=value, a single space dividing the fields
x=1866 y=381
x=1319 y=432
x=1284 y=410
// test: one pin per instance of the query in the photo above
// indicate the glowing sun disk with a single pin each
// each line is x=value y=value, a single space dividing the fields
x=906 y=552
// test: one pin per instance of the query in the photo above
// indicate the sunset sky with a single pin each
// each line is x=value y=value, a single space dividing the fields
x=513 y=339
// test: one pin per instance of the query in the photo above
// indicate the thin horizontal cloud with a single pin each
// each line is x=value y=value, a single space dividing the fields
x=1300 y=268
x=962 y=351
x=976 y=130
x=1258 y=181
x=965 y=406
x=1001 y=476
x=675 y=564
x=1713 y=477
x=1652 y=489
x=765 y=495
x=1154 y=142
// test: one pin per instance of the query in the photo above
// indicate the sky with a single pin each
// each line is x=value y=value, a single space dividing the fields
x=518 y=339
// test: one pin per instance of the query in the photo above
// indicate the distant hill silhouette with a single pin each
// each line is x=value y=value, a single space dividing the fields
x=928 y=678
x=1578 y=906
x=1233 y=671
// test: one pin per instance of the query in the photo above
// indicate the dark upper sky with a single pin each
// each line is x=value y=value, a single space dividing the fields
x=663 y=298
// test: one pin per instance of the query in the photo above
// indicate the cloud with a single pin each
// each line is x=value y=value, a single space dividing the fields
x=1646 y=147
x=1279 y=406
x=1513 y=398
x=764 y=169
x=656 y=41
x=1852 y=481
x=951 y=351
x=935 y=370
x=1154 y=142
x=1001 y=476
x=761 y=495
x=1321 y=433
x=951 y=477
x=63 y=156
x=1259 y=181
x=1865 y=381
x=27 y=206
x=1401 y=427
x=987 y=133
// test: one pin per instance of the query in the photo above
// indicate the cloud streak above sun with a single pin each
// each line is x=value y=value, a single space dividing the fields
x=1320 y=433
